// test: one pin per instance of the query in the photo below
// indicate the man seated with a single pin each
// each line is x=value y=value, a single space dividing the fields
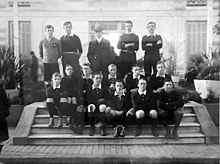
x=56 y=100
x=131 y=79
x=118 y=105
x=144 y=108
x=156 y=80
x=74 y=111
x=109 y=80
x=96 y=96
x=170 y=104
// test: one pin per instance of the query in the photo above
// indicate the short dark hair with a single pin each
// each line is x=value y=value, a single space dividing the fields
x=151 y=23
x=68 y=65
x=135 y=65
x=49 y=26
x=119 y=81
x=167 y=80
x=129 y=21
x=161 y=62
x=142 y=78
x=66 y=23
x=96 y=73
x=56 y=74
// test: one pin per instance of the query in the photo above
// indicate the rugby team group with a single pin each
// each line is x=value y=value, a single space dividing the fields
x=109 y=89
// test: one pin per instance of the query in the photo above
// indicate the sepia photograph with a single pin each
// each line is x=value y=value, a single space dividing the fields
x=109 y=81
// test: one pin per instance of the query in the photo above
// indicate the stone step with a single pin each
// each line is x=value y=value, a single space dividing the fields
x=43 y=110
x=44 y=129
x=71 y=139
x=44 y=118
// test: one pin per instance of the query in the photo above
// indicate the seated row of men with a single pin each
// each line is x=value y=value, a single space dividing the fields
x=118 y=102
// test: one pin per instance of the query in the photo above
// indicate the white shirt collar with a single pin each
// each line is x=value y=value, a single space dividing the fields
x=157 y=75
x=136 y=77
x=145 y=92
x=100 y=86
x=99 y=40
x=128 y=32
x=109 y=76
x=122 y=93
x=84 y=77
x=151 y=35
x=54 y=87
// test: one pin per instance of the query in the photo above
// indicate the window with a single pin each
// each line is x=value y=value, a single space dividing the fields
x=196 y=37
x=111 y=31
x=24 y=36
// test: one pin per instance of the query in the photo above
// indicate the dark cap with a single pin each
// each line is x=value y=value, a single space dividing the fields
x=98 y=29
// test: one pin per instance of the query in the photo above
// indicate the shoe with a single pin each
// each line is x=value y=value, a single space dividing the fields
x=60 y=122
x=51 y=123
x=73 y=127
x=154 y=133
x=80 y=129
x=92 y=131
x=68 y=121
x=102 y=131
x=116 y=133
x=138 y=132
x=122 y=132
x=168 y=133
x=175 y=134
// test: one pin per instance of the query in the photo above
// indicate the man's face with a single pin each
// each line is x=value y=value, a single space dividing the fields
x=49 y=32
x=97 y=79
x=142 y=85
x=160 y=68
x=112 y=70
x=86 y=70
x=136 y=71
x=168 y=86
x=119 y=86
x=151 y=28
x=68 y=28
x=69 y=70
x=98 y=34
x=128 y=27
x=56 y=80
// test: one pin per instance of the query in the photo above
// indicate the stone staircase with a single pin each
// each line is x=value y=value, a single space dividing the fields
x=32 y=130
x=40 y=134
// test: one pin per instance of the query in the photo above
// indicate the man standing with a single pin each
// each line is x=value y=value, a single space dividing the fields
x=128 y=44
x=72 y=49
x=151 y=44
x=100 y=53
x=50 y=51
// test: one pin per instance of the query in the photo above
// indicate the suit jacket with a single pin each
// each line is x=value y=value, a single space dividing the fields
x=100 y=55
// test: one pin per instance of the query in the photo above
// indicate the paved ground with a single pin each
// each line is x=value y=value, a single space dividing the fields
x=109 y=154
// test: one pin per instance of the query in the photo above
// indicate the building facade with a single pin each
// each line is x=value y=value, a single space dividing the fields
x=185 y=25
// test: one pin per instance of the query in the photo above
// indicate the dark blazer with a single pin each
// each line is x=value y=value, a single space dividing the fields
x=100 y=55
x=4 y=112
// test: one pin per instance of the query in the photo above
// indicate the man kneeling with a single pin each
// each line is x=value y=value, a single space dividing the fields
x=170 y=105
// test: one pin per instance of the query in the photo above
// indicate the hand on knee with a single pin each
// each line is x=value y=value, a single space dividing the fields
x=130 y=112
x=91 y=108
x=80 y=108
x=74 y=101
x=49 y=100
x=153 y=114
x=68 y=100
x=102 y=108
x=63 y=100
x=139 y=114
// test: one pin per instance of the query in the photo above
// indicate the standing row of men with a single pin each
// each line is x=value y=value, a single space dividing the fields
x=100 y=52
